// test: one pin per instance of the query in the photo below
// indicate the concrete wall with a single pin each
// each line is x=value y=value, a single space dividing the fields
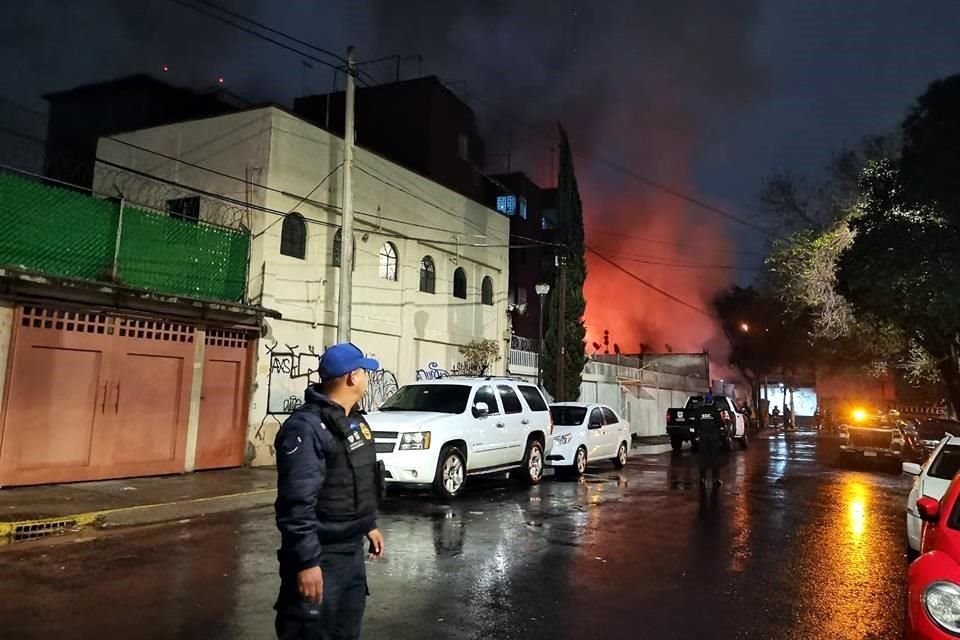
x=640 y=397
x=405 y=329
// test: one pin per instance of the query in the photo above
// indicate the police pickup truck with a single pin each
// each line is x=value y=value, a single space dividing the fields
x=682 y=423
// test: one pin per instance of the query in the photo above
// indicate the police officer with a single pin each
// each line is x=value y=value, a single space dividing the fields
x=328 y=488
x=709 y=436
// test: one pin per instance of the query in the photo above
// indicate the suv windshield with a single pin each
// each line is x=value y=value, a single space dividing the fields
x=435 y=398
x=568 y=416
x=947 y=463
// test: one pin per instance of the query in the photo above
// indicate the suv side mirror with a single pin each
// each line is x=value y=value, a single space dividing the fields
x=912 y=468
x=929 y=509
x=481 y=410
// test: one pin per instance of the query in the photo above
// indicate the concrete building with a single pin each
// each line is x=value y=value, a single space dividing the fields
x=431 y=269
x=532 y=221
x=419 y=124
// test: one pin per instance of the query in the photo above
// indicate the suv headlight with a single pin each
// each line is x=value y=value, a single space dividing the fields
x=415 y=441
x=564 y=438
x=941 y=601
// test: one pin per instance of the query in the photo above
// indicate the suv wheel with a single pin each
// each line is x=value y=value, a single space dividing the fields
x=451 y=473
x=533 y=463
x=621 y=460
x=676 y=443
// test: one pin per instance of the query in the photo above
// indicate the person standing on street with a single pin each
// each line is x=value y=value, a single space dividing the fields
x=709 y=423
x=329 y=485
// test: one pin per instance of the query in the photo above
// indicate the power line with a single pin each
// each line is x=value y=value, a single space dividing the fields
x=669 y=243
x=625 y=171
x=256 y=34
x=650 y=285
x=283 y=34
x=685 y=266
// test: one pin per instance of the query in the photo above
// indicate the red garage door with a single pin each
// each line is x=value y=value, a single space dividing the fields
x=94 y=395
x=224 y=399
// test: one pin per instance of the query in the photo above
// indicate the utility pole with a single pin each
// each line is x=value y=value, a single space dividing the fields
x=561 y=325
x=346 y=229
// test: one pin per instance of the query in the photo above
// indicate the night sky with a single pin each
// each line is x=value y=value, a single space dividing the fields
x=705 y=96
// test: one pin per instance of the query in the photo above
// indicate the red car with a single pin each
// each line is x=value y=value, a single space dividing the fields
x=933 y=591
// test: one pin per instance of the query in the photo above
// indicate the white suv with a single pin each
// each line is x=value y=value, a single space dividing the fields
x=438 y=432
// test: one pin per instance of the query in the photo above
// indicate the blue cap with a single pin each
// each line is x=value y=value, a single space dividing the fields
x=344 y=358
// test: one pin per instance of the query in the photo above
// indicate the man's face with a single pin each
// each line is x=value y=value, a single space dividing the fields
x=360 y=381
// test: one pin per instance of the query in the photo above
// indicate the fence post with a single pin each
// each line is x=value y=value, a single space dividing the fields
x=116 y=246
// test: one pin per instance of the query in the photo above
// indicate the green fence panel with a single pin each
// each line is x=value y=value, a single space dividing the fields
x=55 y=231
x=169 y=255
x=64 y=233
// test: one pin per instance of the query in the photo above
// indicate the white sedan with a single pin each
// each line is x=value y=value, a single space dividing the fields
x=932 y=479
x=586 y=432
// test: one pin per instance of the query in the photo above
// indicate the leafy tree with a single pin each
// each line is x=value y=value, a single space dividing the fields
x=478 y=356
x=903 y=267
x=569 y=236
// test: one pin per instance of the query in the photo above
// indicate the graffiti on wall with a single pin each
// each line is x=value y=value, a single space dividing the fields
x=293 y=369
x=434 y=372
x=382 y=384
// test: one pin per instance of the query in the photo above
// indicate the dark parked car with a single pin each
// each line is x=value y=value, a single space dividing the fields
x=925 y=434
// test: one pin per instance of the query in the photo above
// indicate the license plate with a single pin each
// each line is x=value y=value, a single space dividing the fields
x=870 y=454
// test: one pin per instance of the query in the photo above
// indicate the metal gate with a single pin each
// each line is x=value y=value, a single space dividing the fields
x=94 y=395
x=224 y=399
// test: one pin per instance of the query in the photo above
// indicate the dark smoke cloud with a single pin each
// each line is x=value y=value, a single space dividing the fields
x=638 y=83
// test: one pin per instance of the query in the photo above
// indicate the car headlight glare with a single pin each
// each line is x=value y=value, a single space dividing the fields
x=941 y=601
x=415 y=441
x=564 y=438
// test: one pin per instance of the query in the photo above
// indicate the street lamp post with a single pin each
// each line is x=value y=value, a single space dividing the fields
x=542 y=290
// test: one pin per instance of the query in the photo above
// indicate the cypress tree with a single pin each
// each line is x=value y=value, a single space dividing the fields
x=570 y=238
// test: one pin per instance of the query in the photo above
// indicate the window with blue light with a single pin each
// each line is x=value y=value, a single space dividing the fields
x=508 y=205
x=523 y=208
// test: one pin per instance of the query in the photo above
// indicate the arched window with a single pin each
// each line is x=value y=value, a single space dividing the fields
x=293 y=236
x=388 y=261
x=338 y=247
x=460 y=283
x=428 y=275
x=486 y=291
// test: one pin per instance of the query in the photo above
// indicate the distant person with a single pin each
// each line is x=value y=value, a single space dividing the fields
x=787 y=418
x=709 y=424
x=776 y=415
x=328 y=489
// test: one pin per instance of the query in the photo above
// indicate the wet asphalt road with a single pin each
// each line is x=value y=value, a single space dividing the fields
x=790 y=547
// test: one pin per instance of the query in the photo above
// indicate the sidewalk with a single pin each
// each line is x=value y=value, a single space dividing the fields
x=28 y=513
x=650 y=445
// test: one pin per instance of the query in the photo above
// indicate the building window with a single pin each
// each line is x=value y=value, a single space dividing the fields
x=185 y=208
x=507 y=205
x=463 y=147
x=486 y=291
x=521 y=295
x=428 y=275
x=523 y=208
x=549 y=219
x=338 y=249
x=293 y=236
x=460 y=283
x=388 y=261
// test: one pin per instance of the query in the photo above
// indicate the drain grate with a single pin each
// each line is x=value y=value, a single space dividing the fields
x=35 y=530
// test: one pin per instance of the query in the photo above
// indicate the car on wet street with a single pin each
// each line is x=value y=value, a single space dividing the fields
x=586 y=433
x=933 y=591
x=931 y=480
x=872 y=435
x=924 y=435
x=436 y=433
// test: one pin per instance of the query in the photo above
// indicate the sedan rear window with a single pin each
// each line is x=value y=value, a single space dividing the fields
x=433 y=398
x=947 y=463
x=533 y=397
x=564 y=416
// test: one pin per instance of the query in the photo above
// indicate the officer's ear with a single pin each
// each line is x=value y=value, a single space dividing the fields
x=354 y=377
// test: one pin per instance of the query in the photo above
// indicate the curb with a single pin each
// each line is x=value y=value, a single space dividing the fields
x=25 y=530
x=651 y=449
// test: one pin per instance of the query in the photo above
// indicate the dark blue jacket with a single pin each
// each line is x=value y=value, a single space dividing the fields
x=322 y=456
